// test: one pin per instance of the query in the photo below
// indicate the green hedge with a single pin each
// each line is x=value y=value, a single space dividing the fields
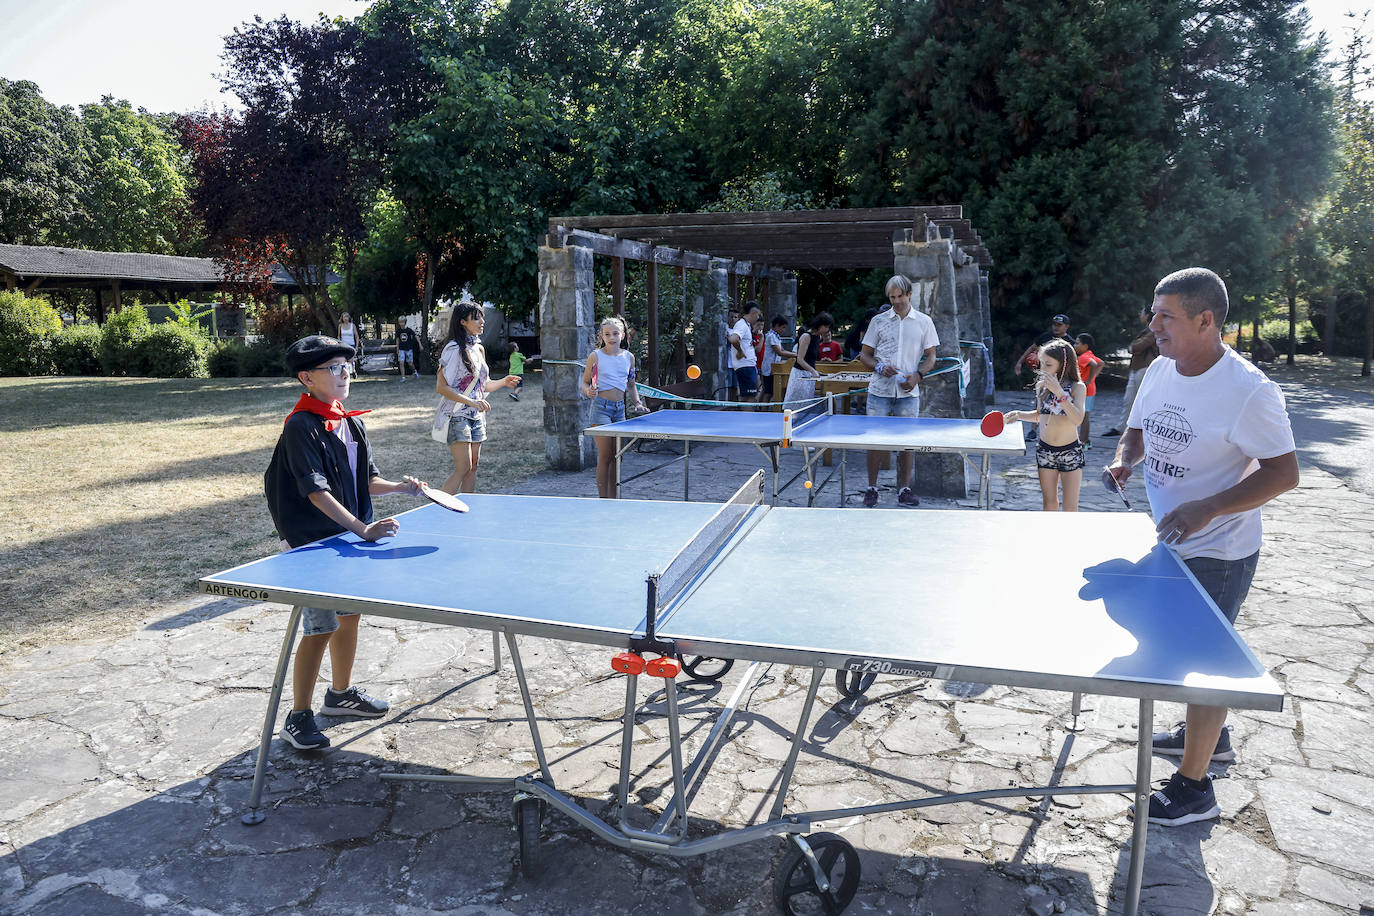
x=260 y=359
x=119 y=342
x=172 y=351
x=76 y=350
x=27 y=330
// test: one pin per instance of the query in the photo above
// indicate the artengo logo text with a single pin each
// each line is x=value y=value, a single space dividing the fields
x=234 y=591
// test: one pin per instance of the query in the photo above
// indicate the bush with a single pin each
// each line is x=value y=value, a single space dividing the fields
x=265 y=359
x=284 y=325
x=76 y=350
x=172 y=351
x=119 y=351
x=27 y=329
x=226 y=359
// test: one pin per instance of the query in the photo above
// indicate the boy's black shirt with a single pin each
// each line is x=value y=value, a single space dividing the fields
x=308 y=459
x=406 y=339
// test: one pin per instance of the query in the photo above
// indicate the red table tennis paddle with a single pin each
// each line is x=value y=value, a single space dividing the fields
x=993 y=424
x=440 y=498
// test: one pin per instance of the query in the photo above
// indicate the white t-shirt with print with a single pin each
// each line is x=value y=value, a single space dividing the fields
x=1203 y=434
x=901 y=343
x=770 y=356
x=746 y=343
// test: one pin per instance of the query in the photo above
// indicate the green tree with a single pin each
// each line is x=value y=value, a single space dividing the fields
x=44 y=165
x=135 y=197
x=1350 y=221
x=1097 y=146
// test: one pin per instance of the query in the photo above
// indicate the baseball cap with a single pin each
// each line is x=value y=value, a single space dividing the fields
x=1060 y=319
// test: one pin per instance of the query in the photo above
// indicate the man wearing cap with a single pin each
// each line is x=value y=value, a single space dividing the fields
x=320 y=483
x=1059 y=327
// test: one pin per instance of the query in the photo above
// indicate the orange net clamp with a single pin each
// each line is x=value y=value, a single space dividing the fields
x=665 y=667
x=628 y=663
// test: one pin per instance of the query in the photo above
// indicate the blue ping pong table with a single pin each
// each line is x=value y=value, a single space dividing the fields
x=1119 y=615
x=813 y=434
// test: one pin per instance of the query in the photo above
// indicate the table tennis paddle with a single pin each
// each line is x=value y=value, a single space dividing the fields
x=1113 y=485
x=993 y=424
x=440 y=498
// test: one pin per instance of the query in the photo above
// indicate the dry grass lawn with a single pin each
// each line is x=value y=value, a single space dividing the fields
x=125 y=491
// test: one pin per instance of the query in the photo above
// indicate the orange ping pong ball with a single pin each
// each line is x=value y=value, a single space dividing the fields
x=693 y=372
x=807 y=484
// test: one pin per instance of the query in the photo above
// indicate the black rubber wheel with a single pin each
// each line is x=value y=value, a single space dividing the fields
x=706 y=668
x=852 y=684
x=794 y=888
x=529 y=814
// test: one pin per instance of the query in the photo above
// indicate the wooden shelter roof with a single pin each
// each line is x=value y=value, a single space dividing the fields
x=794 y=239
x=41 y=267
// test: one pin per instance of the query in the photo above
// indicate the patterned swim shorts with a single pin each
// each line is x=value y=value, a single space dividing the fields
x=1061 y=458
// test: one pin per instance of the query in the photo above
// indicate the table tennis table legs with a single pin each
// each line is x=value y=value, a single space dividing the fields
x=770 y=452
x=984 y=499
x=254 y=815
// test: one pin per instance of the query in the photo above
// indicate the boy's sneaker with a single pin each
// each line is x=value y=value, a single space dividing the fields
x=1031 y=434
x=352 y=702
x=514 y=396
x=1087 y=444
x=870 y=497
x=1111 y=432
x=1170 y=744
x=1179 y=803
x=907 y=498
x=301 y=732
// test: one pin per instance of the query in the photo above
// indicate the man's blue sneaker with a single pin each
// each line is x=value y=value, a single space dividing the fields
x=352 y=702
x=1170 y=744
x=300 y=731
x=1179 y=803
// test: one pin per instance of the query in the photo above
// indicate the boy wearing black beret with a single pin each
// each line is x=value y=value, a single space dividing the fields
x=320 y=483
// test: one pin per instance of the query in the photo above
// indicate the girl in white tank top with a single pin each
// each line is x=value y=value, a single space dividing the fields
x=613 y=371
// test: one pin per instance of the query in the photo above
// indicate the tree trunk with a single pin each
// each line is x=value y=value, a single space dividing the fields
x=1329 y=328
x=1368 y=333
x=1292 y=328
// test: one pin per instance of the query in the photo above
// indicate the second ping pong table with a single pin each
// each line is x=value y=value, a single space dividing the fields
x=1119 y=615
x=813 y=433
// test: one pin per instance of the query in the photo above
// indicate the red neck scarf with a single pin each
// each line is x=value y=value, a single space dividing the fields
x=333 y=412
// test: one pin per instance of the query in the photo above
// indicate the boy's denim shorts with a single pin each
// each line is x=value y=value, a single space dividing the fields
x=316 y=621
x=1227 y=581
x=1088 y=403
x=879 y=406
x=467 y=429
x=604 y=411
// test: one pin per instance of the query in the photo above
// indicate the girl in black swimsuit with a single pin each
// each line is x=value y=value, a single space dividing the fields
x=1059 y=403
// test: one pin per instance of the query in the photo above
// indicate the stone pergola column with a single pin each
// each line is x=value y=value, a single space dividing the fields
x=709 y=340
x=966 y=277
x=930 y=267
x=985 y=309
x=567 y=317
x=782 y=300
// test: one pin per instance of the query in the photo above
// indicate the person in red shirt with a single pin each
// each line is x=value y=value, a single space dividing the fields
x=830 y=349
x=1089 y=365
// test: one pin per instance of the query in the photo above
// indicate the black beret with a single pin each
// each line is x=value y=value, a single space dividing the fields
x=314 y=351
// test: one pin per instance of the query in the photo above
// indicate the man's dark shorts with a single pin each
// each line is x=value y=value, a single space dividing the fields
x=746 y=380
x=1227 y=581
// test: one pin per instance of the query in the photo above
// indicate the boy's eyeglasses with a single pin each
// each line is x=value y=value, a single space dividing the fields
x=335 y=370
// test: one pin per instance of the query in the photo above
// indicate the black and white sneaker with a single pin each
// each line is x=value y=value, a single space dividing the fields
x=1179 y=803
x=301 y=732
x=870 y=497
x=1170 y=743
x=352 y=702
x=905 y=497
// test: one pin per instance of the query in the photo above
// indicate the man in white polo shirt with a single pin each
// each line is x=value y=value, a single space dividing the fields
x=1214 y=436
x=899 y=347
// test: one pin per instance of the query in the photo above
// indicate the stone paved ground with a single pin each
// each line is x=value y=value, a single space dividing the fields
x=127 y=763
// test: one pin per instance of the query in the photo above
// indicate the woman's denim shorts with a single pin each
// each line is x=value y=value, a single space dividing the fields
x=467 y=429
x=604 y=411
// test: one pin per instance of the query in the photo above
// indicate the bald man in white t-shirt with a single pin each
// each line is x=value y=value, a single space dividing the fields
x=1213 y=434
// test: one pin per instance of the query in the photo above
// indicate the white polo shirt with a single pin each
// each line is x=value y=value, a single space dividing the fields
x=901 y=343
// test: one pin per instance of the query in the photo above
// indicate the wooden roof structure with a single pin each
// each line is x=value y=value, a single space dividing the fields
x=792 y=239
x=34 y=268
